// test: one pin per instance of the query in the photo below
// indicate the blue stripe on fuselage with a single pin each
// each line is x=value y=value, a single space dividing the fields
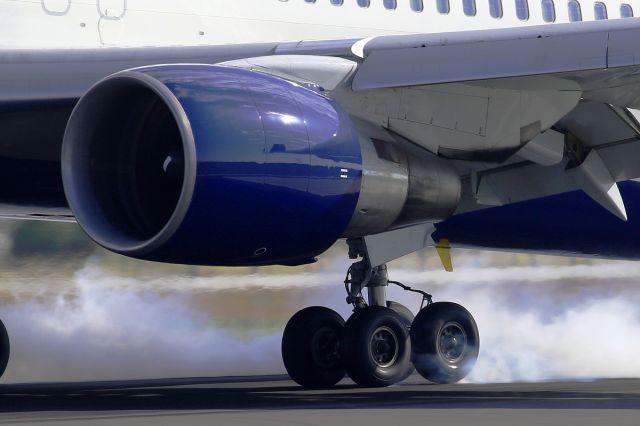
x=570 y=223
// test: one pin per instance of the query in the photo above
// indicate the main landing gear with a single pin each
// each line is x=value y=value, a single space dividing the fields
x=382 y=342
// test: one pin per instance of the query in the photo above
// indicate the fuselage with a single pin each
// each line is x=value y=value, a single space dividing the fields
x=112 y=23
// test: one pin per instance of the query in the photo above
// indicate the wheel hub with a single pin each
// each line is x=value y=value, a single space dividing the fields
x=452 y=342
x=324 y=347
x=384 y=347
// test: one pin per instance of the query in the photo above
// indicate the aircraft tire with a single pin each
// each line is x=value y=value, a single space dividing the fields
x=408 y=318
x=376 y=347
x=5 y=348
x=403 y=311
x=310 y=347
x=445 y=342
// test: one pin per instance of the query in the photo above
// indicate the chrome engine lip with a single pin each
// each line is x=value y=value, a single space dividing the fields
x=190 y=169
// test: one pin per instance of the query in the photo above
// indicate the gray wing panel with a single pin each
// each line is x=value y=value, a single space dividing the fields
x=569 y=50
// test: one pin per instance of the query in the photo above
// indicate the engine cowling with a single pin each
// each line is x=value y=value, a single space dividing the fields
x=212 y=165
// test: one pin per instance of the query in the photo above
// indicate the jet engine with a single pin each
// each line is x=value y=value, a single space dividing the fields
x=213 y=165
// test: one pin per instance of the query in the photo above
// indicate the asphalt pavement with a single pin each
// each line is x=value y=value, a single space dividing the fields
x=274 y=400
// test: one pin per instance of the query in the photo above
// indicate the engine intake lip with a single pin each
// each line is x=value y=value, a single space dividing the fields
x=83 y=202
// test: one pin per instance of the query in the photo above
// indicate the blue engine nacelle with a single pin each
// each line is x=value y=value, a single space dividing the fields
x=213 y=165
x=210 y=165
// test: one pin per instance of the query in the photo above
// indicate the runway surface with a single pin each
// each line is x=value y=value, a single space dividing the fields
x=274 y=400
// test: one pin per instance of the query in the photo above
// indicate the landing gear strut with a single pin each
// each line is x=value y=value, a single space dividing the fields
x=381 y=342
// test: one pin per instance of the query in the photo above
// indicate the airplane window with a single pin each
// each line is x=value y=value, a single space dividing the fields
x=626 y=11
x=309 y=1
x=469 y=7
x=443 y=6
x=548 y=11
x=495 y=8
x=600 y=10
x=417 y=5
x=364 y=3
x=522 y=9
x=337 y=2
x=575 y=13
x=390 y=4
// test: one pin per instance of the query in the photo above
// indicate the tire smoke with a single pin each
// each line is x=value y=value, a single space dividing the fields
x=113 y=330
x=536 y=323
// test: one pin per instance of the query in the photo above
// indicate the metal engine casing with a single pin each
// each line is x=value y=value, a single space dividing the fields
x=402 y=184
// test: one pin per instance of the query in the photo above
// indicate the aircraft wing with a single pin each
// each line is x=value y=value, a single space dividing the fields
x=599 y=60
x=561 y=67
x=602 y=56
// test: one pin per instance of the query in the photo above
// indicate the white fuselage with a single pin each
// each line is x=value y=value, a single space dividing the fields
x=109 y=23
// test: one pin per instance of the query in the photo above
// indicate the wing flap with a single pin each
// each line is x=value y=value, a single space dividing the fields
x=594 y=178
x=526 y=181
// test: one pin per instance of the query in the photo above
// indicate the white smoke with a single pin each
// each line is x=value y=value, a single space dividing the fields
x=591 y=339
x=536 y=323
x=552 y=322
x=111 y=330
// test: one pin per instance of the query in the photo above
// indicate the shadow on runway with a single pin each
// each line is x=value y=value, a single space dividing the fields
x=277 y=393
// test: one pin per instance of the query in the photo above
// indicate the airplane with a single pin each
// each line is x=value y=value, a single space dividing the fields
x=260 y=132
